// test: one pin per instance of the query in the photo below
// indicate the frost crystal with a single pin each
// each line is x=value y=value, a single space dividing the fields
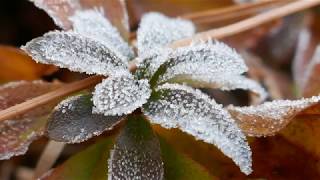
x=178 y=106
x=120 y=95
x=75 y=52
x=72 y=120
x=269 y=117
x=203 y=58
x=93 y=24
x=157 y=30
x=223 y=82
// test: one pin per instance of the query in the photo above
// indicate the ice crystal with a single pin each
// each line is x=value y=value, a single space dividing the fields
x=93 y=24
x=203 y=58
x=157 y=30
x=75 y=52
x=72 y=120
x=269 y=117
x=178 y=106
x=223 y=82
x=136 y=154
x=119 y=95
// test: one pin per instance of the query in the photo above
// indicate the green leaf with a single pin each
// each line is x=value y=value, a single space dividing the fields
x=178 y=166
x=88 y=164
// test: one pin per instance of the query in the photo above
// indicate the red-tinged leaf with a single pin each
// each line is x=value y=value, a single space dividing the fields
x=16 y=65
x=17 y=134
x=270 y=117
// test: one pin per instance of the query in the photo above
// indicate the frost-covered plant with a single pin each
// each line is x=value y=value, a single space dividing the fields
x=162 y=88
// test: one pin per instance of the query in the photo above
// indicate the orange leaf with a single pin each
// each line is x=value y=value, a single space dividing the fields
x=16 y=65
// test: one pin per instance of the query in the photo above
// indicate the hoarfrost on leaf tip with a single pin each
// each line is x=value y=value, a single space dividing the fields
x=120 y=95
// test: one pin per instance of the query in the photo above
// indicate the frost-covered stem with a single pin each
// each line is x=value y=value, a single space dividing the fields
x=249 y=23
x=48 y=157
x=49 y=97
x=232 y=11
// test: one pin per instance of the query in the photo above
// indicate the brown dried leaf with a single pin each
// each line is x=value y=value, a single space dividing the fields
x=270 y=117
x=17 y=134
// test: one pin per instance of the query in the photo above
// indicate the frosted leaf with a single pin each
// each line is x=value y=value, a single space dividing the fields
x=150 y=62
x=136 y=153
x=59 y=10
x=18 y=133
x=77 y=53
x=157 y=30
x=203 y=58
x=223 y=82
x=72 y=120
x=120 y=95
x=93 y=24
x=270 y=117
x=178 y=106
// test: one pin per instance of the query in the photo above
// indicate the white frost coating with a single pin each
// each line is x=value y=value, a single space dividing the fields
x=120 y=95
x=209 y=58
x=157 y=30
x=149 y=62
x=278 y=110
x=195 y=113
x=77 y=53
x=225 y=82
x=93 y=24
x=58 y=10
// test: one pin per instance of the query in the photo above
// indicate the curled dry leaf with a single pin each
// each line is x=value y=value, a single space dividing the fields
x=16 y=65
x=72 y=120
x=18 y=133
x=270 y=117
x=136 y=153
